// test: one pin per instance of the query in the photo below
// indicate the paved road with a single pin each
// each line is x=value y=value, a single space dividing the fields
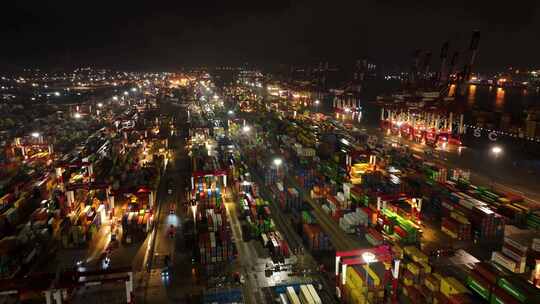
x=248 y=257
x=181 y=281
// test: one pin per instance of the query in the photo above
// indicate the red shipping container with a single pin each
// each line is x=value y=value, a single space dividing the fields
x=503 y=295
x=285 y=248
x=402 y=233
x=460 y=298
x=487 y=272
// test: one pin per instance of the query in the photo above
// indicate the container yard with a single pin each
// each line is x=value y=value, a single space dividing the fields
x=387 y=196
x=254 y=198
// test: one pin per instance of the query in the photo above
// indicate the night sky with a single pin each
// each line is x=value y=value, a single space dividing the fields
x=169 y=34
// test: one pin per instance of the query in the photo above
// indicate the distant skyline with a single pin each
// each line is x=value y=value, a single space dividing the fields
x=165 y=35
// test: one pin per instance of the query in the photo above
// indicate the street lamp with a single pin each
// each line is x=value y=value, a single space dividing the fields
x=35 y=134
x=278 y=162
x=126 y=93
x=246 y=129
x=194 y=211
x=77 y=115
x=230 y=112
x=100 y=105
x=496 y=151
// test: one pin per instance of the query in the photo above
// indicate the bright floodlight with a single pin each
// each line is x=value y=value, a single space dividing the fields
x=278 y=162
x=77 y=115
x=369 y=257
x=35 y=134
x=496 y=150
x=246 y=129
x=100 y=104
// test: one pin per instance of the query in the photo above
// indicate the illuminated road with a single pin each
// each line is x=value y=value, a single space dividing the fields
x=248 y=259
x=179 y=283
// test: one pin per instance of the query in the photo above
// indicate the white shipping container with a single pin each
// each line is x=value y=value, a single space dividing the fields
x=326 y=209
x=212 y=240
x=466 y=203
x=291 y=294
x=305 y=295
x=503 y=260
x=347 y=190
x=514 y=241
x=512 y=255
x=283 y=299
x=314 y=294
x=536 y=245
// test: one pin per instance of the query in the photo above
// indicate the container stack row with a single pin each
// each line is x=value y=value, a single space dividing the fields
x=315 y=238
x=493 y=284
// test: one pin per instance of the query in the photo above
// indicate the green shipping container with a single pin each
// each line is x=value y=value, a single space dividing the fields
x=512 y=290
x=481 y=290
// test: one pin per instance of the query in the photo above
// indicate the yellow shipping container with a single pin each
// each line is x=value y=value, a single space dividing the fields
x=356 y=181
x=353 y=278
x=432 y=283
x=451 y=286
x=459 y=217
x=415 y=254
x=426 y=266
x=504 y=200
x=449 y=233
x=398 y=252
x=372 y=275
x=407 y=281
x=352 y=288
x=414 y=268
x=357 y=297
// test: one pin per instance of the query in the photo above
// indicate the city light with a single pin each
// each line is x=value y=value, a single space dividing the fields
x=230 y=112
x=115 y=98
x=77 y=115
x=496 y=150
x=368 y=257
x=133 y=89
x=100 y=105
x=246 y=129
x=194 y=212
x=35 y=134
x=317 y=102
x=126 y=93
x=278 y=162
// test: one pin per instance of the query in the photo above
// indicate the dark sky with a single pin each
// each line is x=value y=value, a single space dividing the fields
x=168 y=34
